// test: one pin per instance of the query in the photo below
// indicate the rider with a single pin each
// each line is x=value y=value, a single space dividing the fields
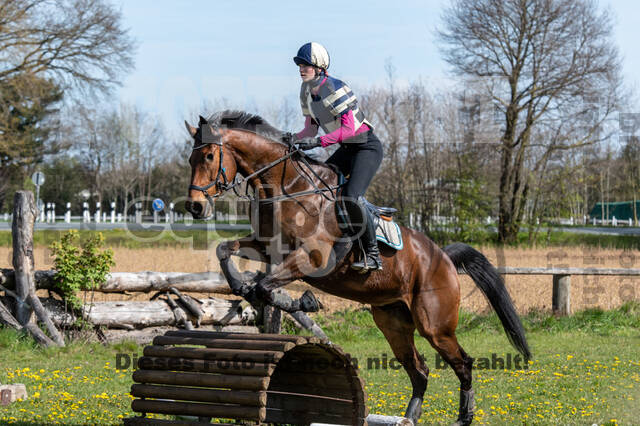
x=329 y=103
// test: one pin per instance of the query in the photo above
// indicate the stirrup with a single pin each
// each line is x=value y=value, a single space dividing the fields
x=369 y=262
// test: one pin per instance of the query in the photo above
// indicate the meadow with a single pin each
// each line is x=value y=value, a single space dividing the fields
x=586 y=370
x=586 y=367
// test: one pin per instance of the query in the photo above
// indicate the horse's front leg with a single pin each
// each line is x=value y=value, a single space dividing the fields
x=304 y=261
x=247 y=248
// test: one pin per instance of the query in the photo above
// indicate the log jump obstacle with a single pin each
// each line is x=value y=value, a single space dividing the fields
x=263 y=378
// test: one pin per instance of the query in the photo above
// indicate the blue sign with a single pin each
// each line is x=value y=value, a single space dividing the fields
x=158 y=205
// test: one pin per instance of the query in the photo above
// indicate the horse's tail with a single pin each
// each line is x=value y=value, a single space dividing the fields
x=490 y=283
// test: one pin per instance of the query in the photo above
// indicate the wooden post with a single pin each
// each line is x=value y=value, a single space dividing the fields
x=271 y=316
x=24 y=217
x=272 y=320
x=561 y=294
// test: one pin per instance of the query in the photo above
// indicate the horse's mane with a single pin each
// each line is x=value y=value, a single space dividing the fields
x=234 y=119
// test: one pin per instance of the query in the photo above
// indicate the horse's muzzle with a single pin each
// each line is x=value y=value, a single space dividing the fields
x=196 y=208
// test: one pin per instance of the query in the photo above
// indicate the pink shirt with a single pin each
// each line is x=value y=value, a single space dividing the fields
x=347 y=128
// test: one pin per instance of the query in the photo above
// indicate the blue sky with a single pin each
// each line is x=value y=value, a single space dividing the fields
x=194 y=50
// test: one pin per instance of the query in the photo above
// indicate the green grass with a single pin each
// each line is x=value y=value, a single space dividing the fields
x=143 y=239
x=586 y=370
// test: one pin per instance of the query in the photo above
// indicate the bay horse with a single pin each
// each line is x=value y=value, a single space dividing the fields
x=297 y=231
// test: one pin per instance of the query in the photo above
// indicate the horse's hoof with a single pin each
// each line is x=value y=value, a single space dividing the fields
x=308 y=302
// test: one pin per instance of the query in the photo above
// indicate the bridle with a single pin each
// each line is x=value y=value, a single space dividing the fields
x=224 y=185
x=221 y=186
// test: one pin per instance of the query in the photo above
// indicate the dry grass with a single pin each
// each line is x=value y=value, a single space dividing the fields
x=528 y=292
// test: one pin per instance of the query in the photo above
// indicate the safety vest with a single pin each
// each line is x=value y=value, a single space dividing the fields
x=334 y=99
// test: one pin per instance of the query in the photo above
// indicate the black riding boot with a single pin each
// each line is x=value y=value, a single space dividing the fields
x=371 y=260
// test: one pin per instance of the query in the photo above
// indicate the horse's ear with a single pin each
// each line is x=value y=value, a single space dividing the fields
x=192 y=130
x=202 y=121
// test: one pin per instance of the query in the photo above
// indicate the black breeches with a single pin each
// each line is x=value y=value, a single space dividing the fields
x=359 y=161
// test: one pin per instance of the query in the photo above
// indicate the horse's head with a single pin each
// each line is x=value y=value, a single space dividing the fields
x=212 y=168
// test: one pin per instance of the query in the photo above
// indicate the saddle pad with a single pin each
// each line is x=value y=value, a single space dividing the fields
x=389 y=233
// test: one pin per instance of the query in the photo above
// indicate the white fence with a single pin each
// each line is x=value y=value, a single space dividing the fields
x=51 y=214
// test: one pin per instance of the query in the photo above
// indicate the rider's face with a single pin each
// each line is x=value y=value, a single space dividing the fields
x=307 y=72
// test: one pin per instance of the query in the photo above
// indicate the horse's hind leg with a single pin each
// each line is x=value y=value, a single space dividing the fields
x=441 y=335
x=396 y=324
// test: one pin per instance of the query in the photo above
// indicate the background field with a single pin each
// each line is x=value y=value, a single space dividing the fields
x=528 y=292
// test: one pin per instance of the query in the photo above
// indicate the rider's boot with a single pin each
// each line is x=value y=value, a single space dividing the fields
x=371 y=260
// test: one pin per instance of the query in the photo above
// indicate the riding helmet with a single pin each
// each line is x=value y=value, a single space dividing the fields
x=313 y=54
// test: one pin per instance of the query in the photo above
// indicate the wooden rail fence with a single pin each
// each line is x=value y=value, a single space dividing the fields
x=561 y=294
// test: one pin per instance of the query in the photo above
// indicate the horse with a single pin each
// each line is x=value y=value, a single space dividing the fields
x=296 y=230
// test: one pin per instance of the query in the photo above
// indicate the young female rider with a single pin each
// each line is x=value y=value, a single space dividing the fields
x=329 y=103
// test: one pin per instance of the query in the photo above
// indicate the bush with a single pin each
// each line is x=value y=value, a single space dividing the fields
x=80 y=268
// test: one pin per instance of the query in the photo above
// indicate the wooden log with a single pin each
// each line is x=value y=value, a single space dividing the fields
x=120 y=314
x=336 y=392
x=145 y=421
x=146 y=335
x=201 y=380
x=309 y=403
x=24 y=217
x=204 y=282
x=234 y=355
x=38 y=335
x=145 y=282
x=280 y=416
x=272 y=319
x=202 y=410
x=315 y=366
x=222 y=335
x=309 y=382
x=204 y=366
x=180 y=316
x=561 y=295
x=344 y=385
x=7 y=318
x=219 y=396
x=265 y=345
x=44 y=317
x=189 y=305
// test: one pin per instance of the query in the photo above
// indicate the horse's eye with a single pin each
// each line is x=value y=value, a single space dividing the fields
x=210 y=157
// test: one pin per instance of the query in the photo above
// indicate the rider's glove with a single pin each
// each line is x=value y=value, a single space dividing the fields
x=288 y=138
x=307 y=143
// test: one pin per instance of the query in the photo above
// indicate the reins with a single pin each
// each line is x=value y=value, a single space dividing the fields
x=226 y=186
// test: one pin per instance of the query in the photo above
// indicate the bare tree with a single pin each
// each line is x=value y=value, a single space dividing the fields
x=546 y=64
x=47 y=49
x=75 y=42
x=119 y=149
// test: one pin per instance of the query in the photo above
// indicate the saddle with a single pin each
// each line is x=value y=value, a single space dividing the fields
x=387 y=231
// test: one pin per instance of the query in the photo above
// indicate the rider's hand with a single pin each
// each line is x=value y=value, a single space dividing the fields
x=307 y=143
x=288 y=138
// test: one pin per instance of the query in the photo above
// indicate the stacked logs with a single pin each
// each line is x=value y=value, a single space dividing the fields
x=257 y=377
